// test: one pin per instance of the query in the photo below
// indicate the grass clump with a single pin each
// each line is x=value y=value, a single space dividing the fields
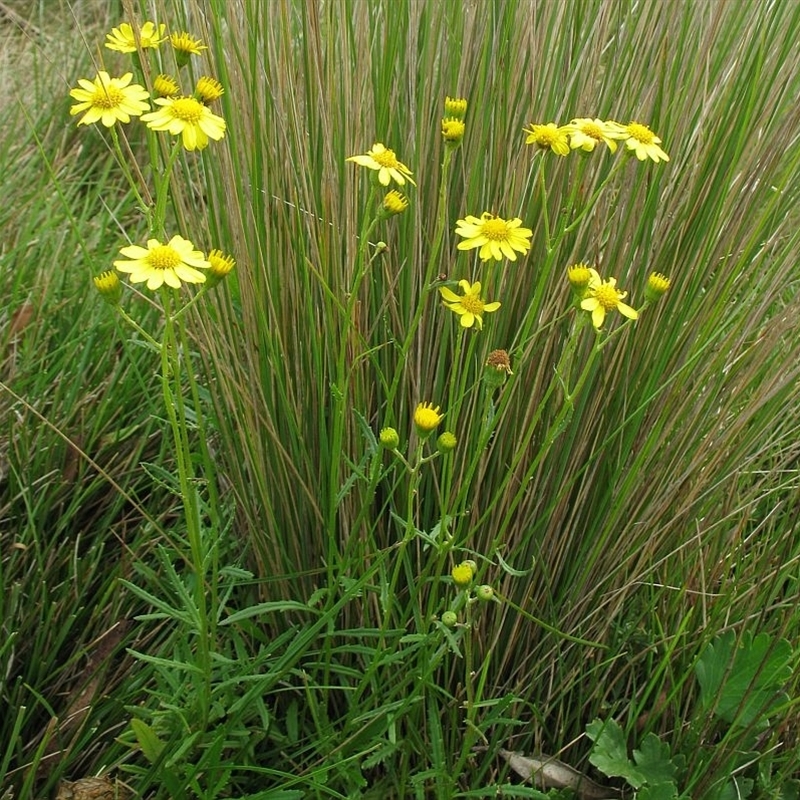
x=482 y=460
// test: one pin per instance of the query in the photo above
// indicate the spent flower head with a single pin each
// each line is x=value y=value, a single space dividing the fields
x=125 y=40
x=208 y=89
x=602 y=297
x=641 y=141
x=657 y=286
x=548 y=137
x=427 y=419
x=108 y=285
x=496 y=237
x=497 y=369
x=585 y=134
x=455 y=107
x=385 y=163
x=160 y=264
x=469 y=306
x=185 y=46
x=109 y=100
x=188 y=118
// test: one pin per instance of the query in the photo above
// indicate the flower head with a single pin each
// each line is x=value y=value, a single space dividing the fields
x=185 y=46
x=446 y=442
x=603 y=296
x=109 y=100
x=385 y=162
x=389 y=438
x=462 y=574
x=455 y=107
x=641 y=141
x=497 y=369
x=163 y=263
x=125 y=40
x=166 y=86
x=496 y=237
x=470 y=307
x=657 y=286
x=108 y=285
x=219 y=266
x=453 y=131
x=208 y=89
x=187 y=117
x=427 y=418
x=394 y=203
x=585 y=134
x=580 y=277
x=548 y=137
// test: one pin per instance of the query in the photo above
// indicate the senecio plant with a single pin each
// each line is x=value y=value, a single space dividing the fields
x=598 y=308
x=176 y=121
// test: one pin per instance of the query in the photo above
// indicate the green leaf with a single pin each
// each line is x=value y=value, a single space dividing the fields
x=741 y=684
x=148 y=740
x=266 y=608
x=660 y=791
x=655 y=762
x=610 y=752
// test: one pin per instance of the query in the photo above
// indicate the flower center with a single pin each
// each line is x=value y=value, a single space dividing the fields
x=641 y=133
x=163 y=257
x=386 y=159
x=593 y=130
x=495 y=229
x=108 y=97
x=473 y=304
x=187 y=109
x=607 y=296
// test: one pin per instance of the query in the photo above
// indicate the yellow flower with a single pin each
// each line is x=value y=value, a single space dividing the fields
x=394 y=203
x=219 y=267
x=496 y=237
x=585 y=133
x=604 y=297
x=580 y=276
x=163 y=263
x=469 y=307
x=385 y=162
x=208 y=89
x=657 y=285
x=123 y=38
x=462 y=574
x=427 y=418
x=166 y=86
x=187 y=117
x=548 y=137
x=108 y=285
x=109 y=100
x=185 y=46
x=455 y=107
x=453 y=130
x=641 y=141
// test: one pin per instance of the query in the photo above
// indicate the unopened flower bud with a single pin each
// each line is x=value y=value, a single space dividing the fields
x=450 y=619
x=484 y=593
x=657 y=285
x=455 y=107
x=389 y=438
x=462 y=575
x=446 y=442
x=109 y=286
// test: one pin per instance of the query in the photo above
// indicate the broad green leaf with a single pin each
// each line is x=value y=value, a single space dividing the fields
x=655 y=762
x=610 y=752
x=148 y=740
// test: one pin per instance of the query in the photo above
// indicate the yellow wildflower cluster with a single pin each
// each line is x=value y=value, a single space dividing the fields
x=110 y=100
x=585 y=133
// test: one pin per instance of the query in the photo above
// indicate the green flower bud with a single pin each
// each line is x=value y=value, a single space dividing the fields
x=389 y=438
x=450 y=619
x=446 y=442
x=484 y=593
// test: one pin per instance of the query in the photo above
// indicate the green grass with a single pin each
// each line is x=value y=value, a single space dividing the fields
x=622 y=527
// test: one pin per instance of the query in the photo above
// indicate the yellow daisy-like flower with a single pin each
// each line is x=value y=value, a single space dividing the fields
x=385 y=161
x=160 y=264
x=109 y=100
x=187 y=117
x=394 y=203
x=604 y=297
x=548 y=137
x=585 y=134
x=208 y=89
x=124 y=39
x=641 y=141
x=453 y=130
x=185 y=46
x=462 y=574
x=427 y=418
x=470 y=307
x=496 y=237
